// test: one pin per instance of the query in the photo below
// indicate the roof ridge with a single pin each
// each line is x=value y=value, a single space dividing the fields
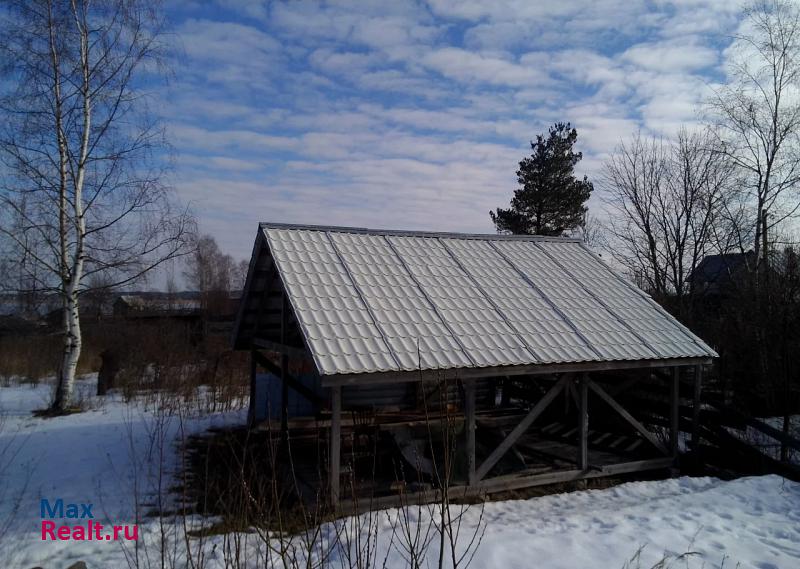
x=414 y=233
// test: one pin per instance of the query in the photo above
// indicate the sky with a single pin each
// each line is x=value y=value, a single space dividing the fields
x=415 y=114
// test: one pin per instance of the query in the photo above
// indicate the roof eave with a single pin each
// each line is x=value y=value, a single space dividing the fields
x=372 y=378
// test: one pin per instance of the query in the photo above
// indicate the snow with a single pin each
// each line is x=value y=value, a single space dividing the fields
x=98 y=455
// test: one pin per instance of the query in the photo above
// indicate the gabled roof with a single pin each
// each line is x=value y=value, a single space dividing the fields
x=381 y=301
x=165 y=303
x=716 y=269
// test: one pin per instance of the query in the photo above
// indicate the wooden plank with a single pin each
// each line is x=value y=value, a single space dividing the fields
x=618 y=441
x=469 y=415
x=499 y=371
x=251 y=413
x=761 y=426
x=583 y=422
x=674 y=397
x=293 y=382
x=284 y=374
x=254 y=258
x=526 y=422
x=280 y=348
x=267 y=304
x=511 y=482
x=634 y=445
x=501 y=484
x=635 y=466
x=515 y=449
x=336 y=443
x=627 y=416
x=698 y=388
x=602 y=437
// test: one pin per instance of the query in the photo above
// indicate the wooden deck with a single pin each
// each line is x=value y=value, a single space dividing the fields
x=374 y=473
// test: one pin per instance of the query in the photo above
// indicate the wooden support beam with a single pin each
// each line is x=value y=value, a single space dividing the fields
x=628 y=417
x=500 y=484
x=384 y=377
x=284 y=373
x=722 y=413
x=518 y=431
x=674 y=423
x=583 y=422
x=469 y=416
x=280 y=348
x=505 y=397
x=573 y=392
x=262 y=299
x=515 y=482
x=336 y=443
x=293 y=382
x=252 y=411
x=696 y=403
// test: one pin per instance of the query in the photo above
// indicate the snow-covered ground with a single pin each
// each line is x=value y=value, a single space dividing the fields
x=99 y=456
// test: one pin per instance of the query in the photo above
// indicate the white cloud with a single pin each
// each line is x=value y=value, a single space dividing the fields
x=415 y=113
x=472 y=67
x=678 y=55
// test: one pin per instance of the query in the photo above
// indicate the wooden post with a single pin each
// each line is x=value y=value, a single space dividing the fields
x=583 y=422
x=698 y=388
x=284 y=375
x=674 y=417
x=785 y=429
x=469 y=417
x=284 y=400
x=336 y=443
x=252 y=412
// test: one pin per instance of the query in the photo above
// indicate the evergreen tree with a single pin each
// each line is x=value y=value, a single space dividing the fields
x=550 y=199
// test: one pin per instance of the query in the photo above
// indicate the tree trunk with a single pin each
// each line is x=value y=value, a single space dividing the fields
x=72 y=351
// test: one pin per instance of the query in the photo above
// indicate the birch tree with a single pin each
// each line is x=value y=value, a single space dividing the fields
x=757 y=118
x=81 y=159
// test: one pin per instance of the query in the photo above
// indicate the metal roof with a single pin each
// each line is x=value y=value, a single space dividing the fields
x=378 y=301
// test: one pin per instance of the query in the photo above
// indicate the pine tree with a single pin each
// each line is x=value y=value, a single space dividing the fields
x=550 y=199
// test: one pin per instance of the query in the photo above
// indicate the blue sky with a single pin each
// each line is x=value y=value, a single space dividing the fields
x=411 y=114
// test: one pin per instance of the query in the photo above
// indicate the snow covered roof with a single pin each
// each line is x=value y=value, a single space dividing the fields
x=159 y=303
x=377 y=301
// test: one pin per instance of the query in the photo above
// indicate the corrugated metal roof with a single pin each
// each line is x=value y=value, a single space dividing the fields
x=374 y=301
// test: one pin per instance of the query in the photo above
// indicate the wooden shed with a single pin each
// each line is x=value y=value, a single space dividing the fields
x=506 y=325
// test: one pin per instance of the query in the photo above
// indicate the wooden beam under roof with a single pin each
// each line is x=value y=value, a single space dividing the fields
x=528 y=369
x=280 y=348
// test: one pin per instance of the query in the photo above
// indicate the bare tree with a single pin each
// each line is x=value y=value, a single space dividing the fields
x=212 y=273
x=82 y=158
x=757 y=119
x=665 y=199
x=633 y=176
x=591 y=231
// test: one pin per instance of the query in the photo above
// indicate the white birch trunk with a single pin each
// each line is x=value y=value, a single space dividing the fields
x=72 y=261
x=71 y=354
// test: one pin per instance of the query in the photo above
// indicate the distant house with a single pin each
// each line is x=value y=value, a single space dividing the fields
x=202 y=315
x=718 y=274
x=15 y=325
x=161 y=305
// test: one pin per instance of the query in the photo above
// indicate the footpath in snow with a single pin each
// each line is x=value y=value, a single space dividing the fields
x=98 y=456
